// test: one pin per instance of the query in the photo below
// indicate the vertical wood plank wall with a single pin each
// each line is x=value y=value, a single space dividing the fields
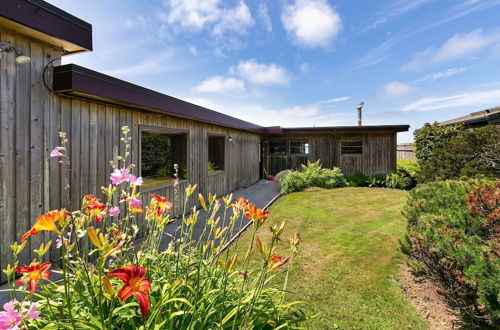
x=379 y=153
x=30 y=118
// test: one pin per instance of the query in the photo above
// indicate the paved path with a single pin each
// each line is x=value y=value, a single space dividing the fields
x=260 y=193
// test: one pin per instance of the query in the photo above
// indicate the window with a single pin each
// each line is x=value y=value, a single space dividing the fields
x=277 y=147
x=299 y=148
x=353 y=147
x=159 y=152
x=216 y=145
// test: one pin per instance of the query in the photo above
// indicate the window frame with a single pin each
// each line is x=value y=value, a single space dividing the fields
x=163 y=130
x=287 y=148
x=209 y=135
x=351 y=154
x=300 y=154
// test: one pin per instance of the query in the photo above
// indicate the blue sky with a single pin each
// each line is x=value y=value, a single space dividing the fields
x=304 y=62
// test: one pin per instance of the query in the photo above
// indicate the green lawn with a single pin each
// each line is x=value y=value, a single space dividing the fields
x=347 y=267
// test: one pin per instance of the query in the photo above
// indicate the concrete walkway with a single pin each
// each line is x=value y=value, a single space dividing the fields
x=261 y=193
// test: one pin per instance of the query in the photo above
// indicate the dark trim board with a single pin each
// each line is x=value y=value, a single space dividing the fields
x=73 y=79
x=50 y=20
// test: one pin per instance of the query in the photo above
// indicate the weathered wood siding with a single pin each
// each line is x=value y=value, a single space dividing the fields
x=30 y=118
x=379 y=153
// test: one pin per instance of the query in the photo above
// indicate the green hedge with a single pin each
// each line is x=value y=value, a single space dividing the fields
x=456 y=152
x=453 y=233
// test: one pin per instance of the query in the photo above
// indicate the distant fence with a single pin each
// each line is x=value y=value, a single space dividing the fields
x=406 y=151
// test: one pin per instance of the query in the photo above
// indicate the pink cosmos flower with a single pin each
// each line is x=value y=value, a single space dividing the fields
x=59 y=242
x=33 y=313
x=136 y=181
x=10 y=318
x=114 y=211
x=57 y=152
x=119 y=176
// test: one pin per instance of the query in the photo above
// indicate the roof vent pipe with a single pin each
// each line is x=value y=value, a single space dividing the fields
x=360 y=108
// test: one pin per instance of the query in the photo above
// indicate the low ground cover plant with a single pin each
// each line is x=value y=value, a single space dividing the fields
x=456 y=152
x=312 y=175
x=454 y=236
x=110 y=280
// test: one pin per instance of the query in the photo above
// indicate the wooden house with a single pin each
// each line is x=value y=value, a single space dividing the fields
x=40 y=98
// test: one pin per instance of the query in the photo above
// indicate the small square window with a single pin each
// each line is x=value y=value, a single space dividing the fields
x=159 y=152
x=216 y=146
x=278 y=147
x=299 y=148
x=354 y=147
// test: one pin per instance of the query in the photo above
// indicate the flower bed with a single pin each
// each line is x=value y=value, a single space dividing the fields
x=111 y=281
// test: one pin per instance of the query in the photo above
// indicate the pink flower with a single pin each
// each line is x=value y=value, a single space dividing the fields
x=119 y=176
x=59 y=242
x=57 y=152
x=33 y=313
x=135 y=203
x=136 y=181
x=10 y=318
x=175 y=181
x=114 y=211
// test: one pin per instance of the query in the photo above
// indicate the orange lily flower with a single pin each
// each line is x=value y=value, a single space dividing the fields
x=275 y=258
x=94 y=208
x=162 y=204
x=279 y=263
x=135 y=284
x=33 y=273
x=135 y=206
x=46 y=222
x=255 y=214
x=241 y=203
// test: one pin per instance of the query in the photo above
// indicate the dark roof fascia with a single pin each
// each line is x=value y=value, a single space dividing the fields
x=336 y=129
x=71 y=78
x=48 y=19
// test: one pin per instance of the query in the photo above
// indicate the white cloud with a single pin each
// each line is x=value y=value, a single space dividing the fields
x=396 y=9
x=444 y=74
x=311 y=23
x=264 y=16
x=395 y=89
x=220 y=84
x=198 y=15
x=470 y=99
x=459 y=46
x=261 y=73
x=336 y=100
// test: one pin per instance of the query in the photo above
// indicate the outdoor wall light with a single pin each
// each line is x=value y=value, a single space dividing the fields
x=231 y=140
x=7 y=47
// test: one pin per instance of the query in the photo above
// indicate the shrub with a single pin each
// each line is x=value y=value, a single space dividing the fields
x=453 y=232
x=410 y=169
x=109 y=280
x=312 y=175
x=455 y=152
x=358 y=179
x=397 y=180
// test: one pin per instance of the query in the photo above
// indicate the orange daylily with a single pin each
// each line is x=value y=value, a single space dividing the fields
x=275 y=258
x=33 y=273
x=255 y=214
x=94 y=208
x=135 y=284
x=162 y=204
x=241 y=203
x=46 y=222
x=279 y=263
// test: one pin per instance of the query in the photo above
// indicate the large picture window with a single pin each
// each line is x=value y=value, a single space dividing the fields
x=351 y=147
x=278 y=147
x=160 y=151
x=299 y=148
x=216 y=149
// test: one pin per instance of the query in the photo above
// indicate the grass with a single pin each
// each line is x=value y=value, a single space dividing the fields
x=347 y=268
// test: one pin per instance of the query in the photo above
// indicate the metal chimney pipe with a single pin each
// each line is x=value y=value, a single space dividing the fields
x=360 y=108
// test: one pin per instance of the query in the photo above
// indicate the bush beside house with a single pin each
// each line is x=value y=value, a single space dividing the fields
x=453 y=236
